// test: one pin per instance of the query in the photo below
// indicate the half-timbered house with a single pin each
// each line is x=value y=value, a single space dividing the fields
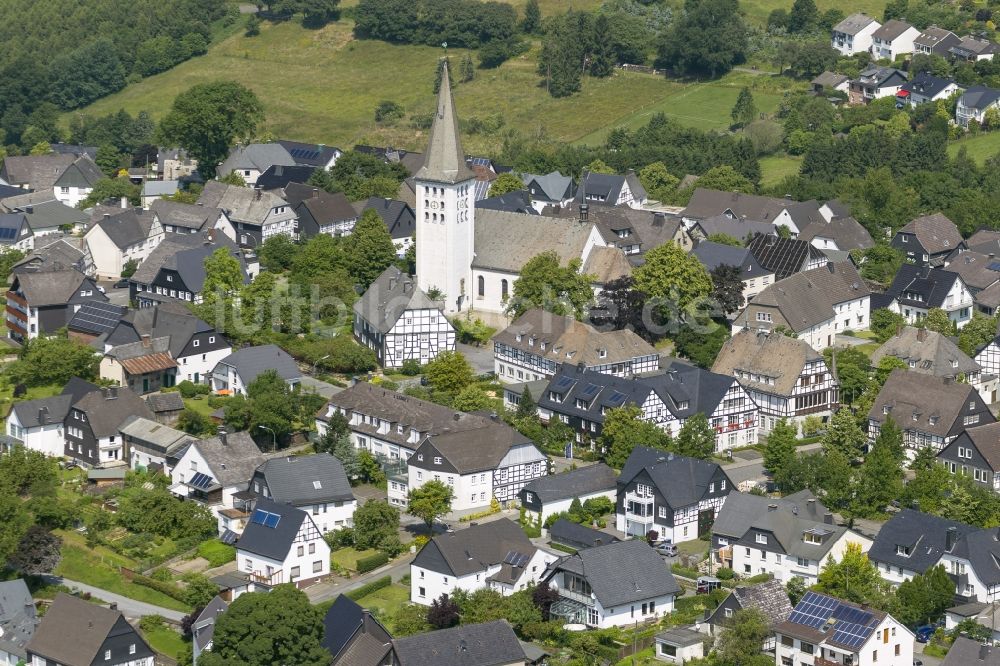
x=675 y=496
x=785 y=377
x=281 y=544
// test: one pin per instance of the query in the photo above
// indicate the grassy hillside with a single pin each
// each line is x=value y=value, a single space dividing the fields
x=979 y=147
x=323 y=86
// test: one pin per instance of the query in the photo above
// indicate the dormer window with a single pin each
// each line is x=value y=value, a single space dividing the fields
x=170 y=278
x=531 y=341
x=437 y=460
x=518 y=338
x=420 y=457
x=602 y=353
x=902 y=551
x=933 y=420
x=555 y=397
x=885 y=409
x=542 y=345
x=761 y=538
x=683 y=404
x=582 y=404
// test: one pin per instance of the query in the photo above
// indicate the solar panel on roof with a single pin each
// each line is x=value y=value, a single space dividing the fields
x=564 y=383
x=516 y=559
x=590 y=391
x=201 y=480
x=305 y=153
x=228 y=537
x=994 y=266
x=617 y=397
x=258 y=516
x=7 y=233
x=272 y=520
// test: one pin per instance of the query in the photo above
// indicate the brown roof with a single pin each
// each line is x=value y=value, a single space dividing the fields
x=846 y=231
x=930 y=352
x=607 y=263
x=567 y=340
x=936 y=233
x=989 y=297
x=39 y=171
x=73 y=631
x=140 y=365
x=973 y=267
x=767 y=355
x=914 y=400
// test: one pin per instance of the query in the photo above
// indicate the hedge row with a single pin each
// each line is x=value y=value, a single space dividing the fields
x=368 y=588
x=168 y=589
x=372 y=562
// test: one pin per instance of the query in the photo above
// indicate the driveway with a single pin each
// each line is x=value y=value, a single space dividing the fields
x=130 y=607
x=480 y=358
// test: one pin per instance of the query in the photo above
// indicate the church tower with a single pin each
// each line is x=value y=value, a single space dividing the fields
x=445 y=191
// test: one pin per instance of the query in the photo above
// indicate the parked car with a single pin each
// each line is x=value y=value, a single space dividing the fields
x=101 y=289
x=924 y=632
x=121 y=284
x=666 y=548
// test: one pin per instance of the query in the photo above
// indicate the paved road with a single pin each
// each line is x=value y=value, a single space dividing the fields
x=752 y=469
x=480 y=358
x=130 y=607
x=326 y=591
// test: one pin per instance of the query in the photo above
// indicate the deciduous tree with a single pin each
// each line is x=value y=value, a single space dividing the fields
x=727 y=287
x=369 y=249
x=430 y=501
x=545 y=284
x=374 y=522
x=740 y=640
x=504 y=183
x=744 y=111
x=37 y=553
x=624 y=430
x=854 y=578
x=449 y=372
x=696 y=438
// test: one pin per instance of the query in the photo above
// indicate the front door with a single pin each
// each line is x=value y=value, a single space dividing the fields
x=145 y=384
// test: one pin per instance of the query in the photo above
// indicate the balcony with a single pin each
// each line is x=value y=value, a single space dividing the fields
x=275 y=578
x=17 y=298
x=579 y=597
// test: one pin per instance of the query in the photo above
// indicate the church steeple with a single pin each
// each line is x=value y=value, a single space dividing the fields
x=444 y=161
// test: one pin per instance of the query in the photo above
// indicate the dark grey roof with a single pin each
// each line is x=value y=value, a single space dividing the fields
x=880 y=77
x=845 y=231
x=518 y=201
x=923 y=533
x=127 y=227
x=107 y=409
x=741 y=510
x=186 y=254
x=768 y=597
x=165 y=402
x=397 y=215
x=474 y=549
x=97 y=317
x=979 y=97
x=681 y=637
x=54 y=287
x=922 y=286
x=620 y=573
x=936 y=233
x=982 y=550
x=938 y=40
x=927 y=84
x=73 y=632
x=578 y=536
x=272 y=542
x=14 y=228
x=741 y=229
x=40 y=172
x=250 y=362
x=232 y=463
x=74 y=149
x=682 y=481
x=309 y=154
x=187 y=216
x=299 y=480
x=552 y=187
x=389 y=296
x=925 y=402
x=605 y=188
x=59 y=254
x=829 y=80
x=342 y=620
x=854 y=24
x=488 y=644
x=712 y=255
x=967 y=652
x=970 y=45
x=978 y=270
x=782 y=256
x=891 y=29
x=444 y=161
x=204 y=625
x=483 y=448
x=17 y=617
x=32 y=413
x=574 y=483
x=278 y=176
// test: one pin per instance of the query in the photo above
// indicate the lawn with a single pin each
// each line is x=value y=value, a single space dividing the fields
x=348 y=557
x=775 y=168
x=979 y=147
x=166 y=641
x=758 y=10
x=33 y=393
x=386 y=602
x=200 y=405
x=99 y=567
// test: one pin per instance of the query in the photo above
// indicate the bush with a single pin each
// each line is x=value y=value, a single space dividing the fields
x=725 y=573
x=410 y=367
x=162 y=574
x=368 y=588
x=372 y=562
x=189 y=389
x=388 y=111
x=216 y=552
x=342 y=538
x=152 y=622
x=168 y=589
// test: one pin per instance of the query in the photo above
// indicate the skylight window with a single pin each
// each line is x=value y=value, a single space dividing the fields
x=317 y=485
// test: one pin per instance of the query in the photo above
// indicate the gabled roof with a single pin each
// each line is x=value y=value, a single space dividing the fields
x=854 y=24
x=123 y=227
x=50 y=214
x=741 y=228
x=979 y=97
x=740 y=511
x=73 y=631
x=783 y=256
x=971 y=45
x=891 y=29
x=14 y=228
x=882 y=77
x=160 y=188
x=680 y=480
x=927 y=84
x=982 y=550
x=397 y=215
x=706 y=203
x=311 y=479
x=483 y=448
x=605 y=188
x=579 y=536
x=309 y=154
x=444 y=161
x=18 y=619
x=552 y=187
x=162 y=403
x=186 y=216
x=922 y=286
x=107 y=409
x=712 y=255
x=241 y=204
x=40 y=172
x=152 y=432
x=203 y=628
x=60 y=254
x=345 y=626
x=389 y=296
x=936 y=233
x=506 y=241
x=938 y=40
x=829 y=80
x=769 y=597
x=257 y=156
x=845 y=231
x=231 y=463
x=930 y=404
x=986 y=439
x=250 y=362
x=926 y=352
x=607 y=263
x=269 y=539
x=967 y=652
x=54 y=287
x=620 y=573
x=518 y=201
x=186 y=254
x=327 y=208
x=845 y=625
x=978 y=270
x=923 y=534
x=765 y=355
x=474 y=549
x=278 y=176
x=574 y=483
x=489 y=644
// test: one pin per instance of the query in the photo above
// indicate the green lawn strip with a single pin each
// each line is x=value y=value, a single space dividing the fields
x=348 y=557
x=775 y=168
x=979 y=148
x=166 y=641
x=200 y=405
x=387 y=600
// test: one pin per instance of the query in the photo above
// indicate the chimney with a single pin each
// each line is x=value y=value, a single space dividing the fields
x=123 y=202
x=256 y=192
x=949 y=538
x=828 y=518
x=772 y=507
x=392 y=283
x=43 y=415
x=315 y=191
x=107 y=216
x=457 y=415
x=112 y=393
x=222 y=435
x=921 y=334
x=584 y=212
x=146 y=340
x=407 y=286
x=29 y=209
x=200 y=203
x=113 y=605
x=278 y=170
x=810 y=502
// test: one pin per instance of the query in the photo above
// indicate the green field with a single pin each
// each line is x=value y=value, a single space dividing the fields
x=386 y=602
x=348 y=557
x=166 y=641
x=979 y=148
x=758 y=10
x=775 y=168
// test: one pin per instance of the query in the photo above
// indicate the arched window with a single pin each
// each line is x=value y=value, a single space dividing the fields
x=481 y=286
x=503 y=289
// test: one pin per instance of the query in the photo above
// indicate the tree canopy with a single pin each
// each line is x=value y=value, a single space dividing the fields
x=544 y=283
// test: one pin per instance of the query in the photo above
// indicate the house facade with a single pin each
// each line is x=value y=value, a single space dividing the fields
x=40 y=303
x=119 y=236
x=316 y=484
x=92 y=426
x=854 y=34
x=975 y=453
x=281 y=544
x=237 y=370
x=892 y=39
x=875 y=83
x=917 y=289
x=555 y=493
x=911 y=543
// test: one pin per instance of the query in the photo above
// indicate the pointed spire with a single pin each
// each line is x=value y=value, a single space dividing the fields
x=445 y=161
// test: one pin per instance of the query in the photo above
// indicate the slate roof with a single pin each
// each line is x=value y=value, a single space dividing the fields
x=126 y=227
x=974 y=268
x=50 y=214
x=444 y=161
x=108 y=409
x=845 y=231
x=712 y=255
x=506 y=241
x=73 y=631
x=151 y=432
x=488 y=644
x=930 y=404
x=14 y=228
x=162 y=403
x=159 y=188
x=54 y=287
x=312 y=479
x=278 y=176
x=891 y=29
x=345 y=636
x=186 y=254
x=829 y=80
x=232 y=463
x=576 y=535
x=938 y=40
x=186 y=216
x=705 y=203
x=18 y=619
x=970 y=45
x=240 y=203
x=73 y=149
x=921 y=286
x=927 y=84
x=389 y=296
x=250 y=362
x=741 y=228
x=936 y=233
x=854 y=24
x=766 y=355
x=552 y=187
x=810 y=298
x=59 y=254
x=620 y=573
x=682 y=481
x=474 y=549
x=740 y=510
x=986 y=439
x=982 y=550
x=923 y=533
x=327 y=208
x=926 y=352
x=769 y=597
x=257 y=156
x=40 y=172
x=272 y=542
x=397 y=215
x=476 y=449
x=518 y=201
x=989 y=297
x=574 y=483
x=570 y=341
x=605 y=188
x=309 y=154
x=967 y=652
x=203 y=628
x=782 y=256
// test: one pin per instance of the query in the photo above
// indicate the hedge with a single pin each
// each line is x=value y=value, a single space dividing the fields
x=565 y=549
x=216 y=552
x=168 y=589
x=368 y=588
x=372 y=562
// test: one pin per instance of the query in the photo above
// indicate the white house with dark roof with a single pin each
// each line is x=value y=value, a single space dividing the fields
x=251 y=160
x=928 y=239
x=40 y=302
x=925 y=87
x=839 y=233
x=203 y=628
x=551 y=189
x=354 y=636
x=70 y=178
x=255 y=215
x=316 y=483
x=281 y=544
x=605 y=189
x=182 y=218
x=118 y=236
x=915 y=290
x=706 y=203
x=754 y=276
x=175 y=271
x=92 y=426
x=893 y=38
x=875 y=82
x=399 y=219
x=854 y=34
x=912 y=543
x=15 y=232
x=974 y=103
x=236 y=371
x=935 y=40
x=18 y=621
x=615 y=585
x=399 y=322
x=538 y=343
x=494 y=555
x=675 y=496
x=975 y=453
x=40 y=424
x=548 y=495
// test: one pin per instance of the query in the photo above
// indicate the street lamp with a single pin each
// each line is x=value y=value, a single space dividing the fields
x=322 y=358
x=274 y=438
